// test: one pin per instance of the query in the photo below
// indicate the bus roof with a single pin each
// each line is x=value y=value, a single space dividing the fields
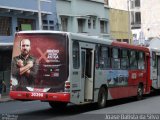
x=76 y=36
x=154 y=49
x=87 y=38
x=129 y=46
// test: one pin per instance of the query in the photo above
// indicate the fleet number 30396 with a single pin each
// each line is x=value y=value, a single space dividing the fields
x=37 y=94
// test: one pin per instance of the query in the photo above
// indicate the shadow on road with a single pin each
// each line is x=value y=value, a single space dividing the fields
x=72 y=111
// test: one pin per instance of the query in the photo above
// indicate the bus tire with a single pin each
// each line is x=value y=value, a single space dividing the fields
x=57 y=105
x=140 y=92
x=102 y=97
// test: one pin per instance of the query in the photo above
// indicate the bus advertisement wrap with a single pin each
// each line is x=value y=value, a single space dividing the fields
x=39 y=61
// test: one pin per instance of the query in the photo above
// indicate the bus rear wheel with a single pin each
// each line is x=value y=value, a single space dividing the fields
x=58 y=105
x=140 y=92
x=102 y=97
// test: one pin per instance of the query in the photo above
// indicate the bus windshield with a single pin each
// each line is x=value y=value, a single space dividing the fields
x=39 y=60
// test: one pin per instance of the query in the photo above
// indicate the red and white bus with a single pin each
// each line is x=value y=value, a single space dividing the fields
x=78 y=69
x=155 y=68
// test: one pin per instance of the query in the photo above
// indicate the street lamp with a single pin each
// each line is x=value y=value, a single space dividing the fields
x=39 y=12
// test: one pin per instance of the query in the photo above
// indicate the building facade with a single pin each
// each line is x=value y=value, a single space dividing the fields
x=89 y=17
x=18 y=15
x=120 y=21
x=119 y=26
x=144 y=18
x=150 y=18
x=22 y=15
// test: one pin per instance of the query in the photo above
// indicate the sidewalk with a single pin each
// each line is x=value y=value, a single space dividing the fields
x=5 y=98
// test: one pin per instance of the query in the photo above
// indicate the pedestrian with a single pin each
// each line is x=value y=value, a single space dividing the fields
x=4 y=87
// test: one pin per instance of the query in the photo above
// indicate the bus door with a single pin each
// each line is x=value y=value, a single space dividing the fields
x=158 y=70
x=147 y=73
x=87 y=69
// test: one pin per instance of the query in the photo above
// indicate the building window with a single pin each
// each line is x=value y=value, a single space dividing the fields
x=48 y=25
x=132 y=17
x=138 y=17
x=51 y=22
x=94 y=23
x=51 y=27
x=131 y=4
x=81 y=25
x=5 y=26
x=76 y=60
x=106 y=2
x=118 y=40
x=137 y=3
x=45 y=22
x=89 y=23
x=126 y=40
x=45 y=27
x=64 y=22
x=103 y=26
x=26 y=24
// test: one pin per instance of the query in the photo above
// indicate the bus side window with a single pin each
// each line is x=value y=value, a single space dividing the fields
x=76 y=61
x=141 y=60
x=124 y=59
x=133 y=60
x=154 y=60
x=97 y=56
x=104 y=57
x=115 y=58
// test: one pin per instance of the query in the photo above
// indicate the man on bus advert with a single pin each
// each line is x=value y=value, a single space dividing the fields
x=24 y=66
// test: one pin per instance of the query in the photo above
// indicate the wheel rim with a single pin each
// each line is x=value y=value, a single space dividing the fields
x=102 y=100
x=140 y=93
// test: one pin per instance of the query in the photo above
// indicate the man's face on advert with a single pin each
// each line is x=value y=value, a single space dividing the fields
x=25 y=47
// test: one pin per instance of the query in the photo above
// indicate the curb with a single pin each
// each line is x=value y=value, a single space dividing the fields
x=5 y=99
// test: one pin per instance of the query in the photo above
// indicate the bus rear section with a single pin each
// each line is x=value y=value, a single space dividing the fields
x=39 y=68
x=155 y=68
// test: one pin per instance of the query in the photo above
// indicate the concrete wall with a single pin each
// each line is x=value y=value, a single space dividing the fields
x=119 y=24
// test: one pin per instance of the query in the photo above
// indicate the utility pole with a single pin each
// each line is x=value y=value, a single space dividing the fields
x=39 y=15
x=39 y=12
x=129 y=21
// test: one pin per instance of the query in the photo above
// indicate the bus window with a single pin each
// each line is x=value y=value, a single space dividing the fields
x=133 y=60
x=75 y=55
x=97 y=56
x=115 y=58
x=104 y=57
x=154 y=60
x=140 y=60
x=124 y=60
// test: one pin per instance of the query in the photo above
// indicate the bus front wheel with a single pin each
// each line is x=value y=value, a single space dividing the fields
x=102 y=97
